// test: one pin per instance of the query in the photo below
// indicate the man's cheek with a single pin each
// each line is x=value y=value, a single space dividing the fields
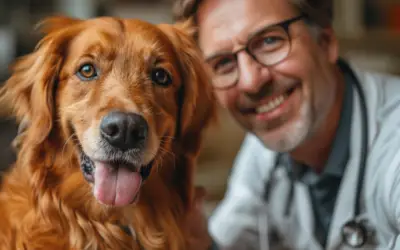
x=225 y=99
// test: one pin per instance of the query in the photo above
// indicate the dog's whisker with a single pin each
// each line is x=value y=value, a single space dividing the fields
x=166 y=151
x=168 y=137
x=72 y=108
x=65 y=144
x=159 y=113
x=159 y=164
x=148 y=110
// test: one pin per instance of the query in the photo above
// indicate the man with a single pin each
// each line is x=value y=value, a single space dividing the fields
x=320 y=166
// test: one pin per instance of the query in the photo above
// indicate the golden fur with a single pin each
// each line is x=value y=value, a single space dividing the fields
x=45 y=203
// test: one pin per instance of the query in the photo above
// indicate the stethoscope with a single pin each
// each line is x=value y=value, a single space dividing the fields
x=354 y=232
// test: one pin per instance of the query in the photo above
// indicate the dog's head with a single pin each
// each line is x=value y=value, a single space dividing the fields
x=122 y=94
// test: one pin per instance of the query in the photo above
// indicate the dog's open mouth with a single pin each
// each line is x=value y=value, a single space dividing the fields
x=115 y=183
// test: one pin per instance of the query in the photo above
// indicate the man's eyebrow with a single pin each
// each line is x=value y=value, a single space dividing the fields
x=213 y=55
x=216 y=55
x=259 y=30
x=253 y=33
x=267 y=27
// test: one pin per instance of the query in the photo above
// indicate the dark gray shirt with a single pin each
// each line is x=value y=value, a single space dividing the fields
x=323 y=187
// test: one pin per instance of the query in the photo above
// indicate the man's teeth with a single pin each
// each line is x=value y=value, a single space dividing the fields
x=274 y=103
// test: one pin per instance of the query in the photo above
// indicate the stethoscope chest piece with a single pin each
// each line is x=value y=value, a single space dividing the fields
x=354 y=234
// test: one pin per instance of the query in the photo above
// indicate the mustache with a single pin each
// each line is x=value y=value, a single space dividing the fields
x=268 y=89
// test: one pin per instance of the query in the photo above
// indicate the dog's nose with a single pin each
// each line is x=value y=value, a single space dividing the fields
x=124 y=130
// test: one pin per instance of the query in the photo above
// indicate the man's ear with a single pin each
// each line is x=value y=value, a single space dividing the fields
x=329 y=43
x=29 y=92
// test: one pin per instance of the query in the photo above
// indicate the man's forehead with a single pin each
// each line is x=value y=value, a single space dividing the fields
x=224 y=24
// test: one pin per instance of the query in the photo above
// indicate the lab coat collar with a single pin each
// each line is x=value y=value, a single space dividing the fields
x=345 y=202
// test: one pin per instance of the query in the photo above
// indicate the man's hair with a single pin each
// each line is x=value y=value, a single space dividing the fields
x=319 y=12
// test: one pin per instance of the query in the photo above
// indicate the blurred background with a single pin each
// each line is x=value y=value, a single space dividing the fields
x=368 y=31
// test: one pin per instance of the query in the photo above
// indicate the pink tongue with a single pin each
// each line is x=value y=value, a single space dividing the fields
x=115 y=186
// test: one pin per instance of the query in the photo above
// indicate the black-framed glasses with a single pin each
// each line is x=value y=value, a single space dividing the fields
x=268 y=46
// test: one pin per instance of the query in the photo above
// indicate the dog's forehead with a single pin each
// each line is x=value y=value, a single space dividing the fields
x=142 y=36
x=125 y=35
x=94 y=36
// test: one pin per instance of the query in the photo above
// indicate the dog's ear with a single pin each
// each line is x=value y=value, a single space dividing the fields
x=198 y=106
x=173 y=186
x=29 y=92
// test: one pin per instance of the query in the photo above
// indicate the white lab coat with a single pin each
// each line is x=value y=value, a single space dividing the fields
x=243 y=217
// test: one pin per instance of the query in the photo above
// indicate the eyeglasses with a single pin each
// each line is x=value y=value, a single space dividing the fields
x=268 y=46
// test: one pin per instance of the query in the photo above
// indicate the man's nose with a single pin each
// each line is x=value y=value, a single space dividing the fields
x=252 y=75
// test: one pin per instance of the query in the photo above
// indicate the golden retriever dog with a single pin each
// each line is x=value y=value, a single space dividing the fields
x=116 y=111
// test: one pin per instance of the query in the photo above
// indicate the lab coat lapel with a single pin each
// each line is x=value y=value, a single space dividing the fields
x=344 y=207
x=305 y=219
x=298 y=226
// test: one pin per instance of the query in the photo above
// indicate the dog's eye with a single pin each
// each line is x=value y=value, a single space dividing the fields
x=87 y=72
x=161 y=77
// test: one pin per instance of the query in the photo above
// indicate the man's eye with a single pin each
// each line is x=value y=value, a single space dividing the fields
x=87 y=72
x=271 y=40
x=224 y=65
x=270 y=43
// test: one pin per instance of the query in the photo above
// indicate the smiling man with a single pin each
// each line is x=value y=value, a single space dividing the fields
x=320 y=166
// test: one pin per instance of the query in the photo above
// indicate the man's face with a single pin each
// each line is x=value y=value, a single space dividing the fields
x=283 y=104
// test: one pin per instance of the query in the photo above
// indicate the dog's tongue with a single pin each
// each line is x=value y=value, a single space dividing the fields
x=115 y=186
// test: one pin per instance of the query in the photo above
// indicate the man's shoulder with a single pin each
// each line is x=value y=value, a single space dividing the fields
x=379 y=85
x=382 y=94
